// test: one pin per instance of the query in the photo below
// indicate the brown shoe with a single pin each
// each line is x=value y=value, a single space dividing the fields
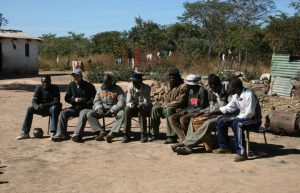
x=100 y=137
x=239 y=158
x=176 y=145
x=222 y=151
x=108 y=138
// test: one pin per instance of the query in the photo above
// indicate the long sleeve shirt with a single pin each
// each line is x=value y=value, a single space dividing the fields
x=47 y=98
x=111 y=99
x=85 y=90
x=136 y=96
x=247 y=104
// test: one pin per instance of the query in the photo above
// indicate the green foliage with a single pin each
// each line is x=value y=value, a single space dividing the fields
x=122 y=74
x=226 y=75
x=95 y=74
x=248 y=76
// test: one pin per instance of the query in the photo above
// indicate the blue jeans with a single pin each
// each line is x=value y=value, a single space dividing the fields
x=53 y=112
x=238 y=126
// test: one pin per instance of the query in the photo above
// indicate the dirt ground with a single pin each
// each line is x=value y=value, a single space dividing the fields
x=42 y=166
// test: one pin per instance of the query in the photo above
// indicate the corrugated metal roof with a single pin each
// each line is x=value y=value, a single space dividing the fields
x=283 y=70
x=281 y=66
x=17 y=34
x=282 y=86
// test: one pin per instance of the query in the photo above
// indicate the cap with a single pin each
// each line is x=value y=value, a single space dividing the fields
x=192 y=79
x=77 y=71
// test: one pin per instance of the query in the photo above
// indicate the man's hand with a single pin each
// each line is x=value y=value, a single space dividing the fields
x=40 y=107
x=109 y=114
x=200 y=114
x=78 y=100
x=100 y=111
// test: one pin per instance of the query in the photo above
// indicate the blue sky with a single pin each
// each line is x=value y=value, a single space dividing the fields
x=38 y=17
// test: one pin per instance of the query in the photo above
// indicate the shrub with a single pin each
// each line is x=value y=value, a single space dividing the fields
x=95 y=74
x=248 y=76
x=122 y=74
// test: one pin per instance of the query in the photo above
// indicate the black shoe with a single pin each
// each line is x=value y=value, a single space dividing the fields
x=77 y=138
x=126 y=139
x=170 y=140
x=183 y=150
x=152 y=138
x=175 y=146
x=60 y=137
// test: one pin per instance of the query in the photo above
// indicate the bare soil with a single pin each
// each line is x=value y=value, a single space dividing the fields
x=42 y=166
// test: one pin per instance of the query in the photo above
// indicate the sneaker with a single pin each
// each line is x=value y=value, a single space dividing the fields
x=51 y=135
x=183 y=150
x=126 y=139
x=239 y=158
x=77 y=138
x=222 y=151
x=100 y=137
x=170 y=140
x=23 y=136
x=60 y=137
x=176 y=145
x=108 y=138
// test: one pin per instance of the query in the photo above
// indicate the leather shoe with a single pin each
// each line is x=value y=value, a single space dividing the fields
x=170 y=140
x=239 y=158
x=183 y=150
x=175 y=146
x=126 y=139
x=222 y=151
x=108 y=138
x=152 y=138
x=100 y=137
x=77 y=138
x=60 y=137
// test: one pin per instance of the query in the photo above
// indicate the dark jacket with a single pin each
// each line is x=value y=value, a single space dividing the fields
x=86 y=91
x=202 y=96
x=47 y=98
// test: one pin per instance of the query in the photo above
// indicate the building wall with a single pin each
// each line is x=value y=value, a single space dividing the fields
x=14 y=59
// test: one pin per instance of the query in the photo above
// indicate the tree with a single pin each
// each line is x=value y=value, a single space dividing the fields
x=296 y=5
x=212 y=16
x=3 y=21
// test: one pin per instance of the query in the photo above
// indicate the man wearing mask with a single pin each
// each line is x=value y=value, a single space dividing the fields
x=109 y=102
x=45 y=102
x=138 y=103
x=80 y=95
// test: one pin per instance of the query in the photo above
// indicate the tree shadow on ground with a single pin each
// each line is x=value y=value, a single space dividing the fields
x=28 y=87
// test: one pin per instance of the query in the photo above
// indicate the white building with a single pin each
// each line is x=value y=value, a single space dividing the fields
x=18 y=52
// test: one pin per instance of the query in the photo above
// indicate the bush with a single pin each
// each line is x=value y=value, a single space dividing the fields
x=122 y=74
x=226 y=75
x=95 y=74
x=248 y=76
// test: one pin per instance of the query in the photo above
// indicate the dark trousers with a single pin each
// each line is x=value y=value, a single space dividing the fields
x=141 y=113
x=238 y=127
x=53 y=112
x=68 y=113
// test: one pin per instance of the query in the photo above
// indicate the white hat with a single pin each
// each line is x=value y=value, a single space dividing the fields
x=192 y=79
x=77 y=71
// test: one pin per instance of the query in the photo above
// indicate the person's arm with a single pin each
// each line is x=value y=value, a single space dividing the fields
x=69 y=98
x=98 y=100
x=177 y=96
x=36 y=98
x=129 y=96
x=250 y=105
x=121 y=102
x=146 y=93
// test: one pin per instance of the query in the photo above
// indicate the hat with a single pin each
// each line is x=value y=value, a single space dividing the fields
x=192 y=79
x=137 y=77
x=77 y=71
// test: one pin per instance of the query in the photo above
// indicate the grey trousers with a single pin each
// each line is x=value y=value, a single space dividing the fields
x=193 y=138
x=68 y=113
x=93 y=118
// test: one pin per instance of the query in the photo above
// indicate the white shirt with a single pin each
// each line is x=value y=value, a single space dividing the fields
x=245 y=103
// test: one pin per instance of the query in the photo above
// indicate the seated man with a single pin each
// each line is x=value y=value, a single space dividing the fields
x=198 y=100
x=109 y=102
x=175 y=98
x=198 y=134
x=80 y=95
x=45 y=102
x=249 y=116
x=138 y=102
